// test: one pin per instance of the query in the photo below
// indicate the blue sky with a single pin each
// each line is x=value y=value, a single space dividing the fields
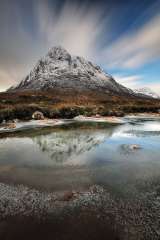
x=123 y=37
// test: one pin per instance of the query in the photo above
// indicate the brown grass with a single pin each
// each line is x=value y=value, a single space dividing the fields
x=57 y=103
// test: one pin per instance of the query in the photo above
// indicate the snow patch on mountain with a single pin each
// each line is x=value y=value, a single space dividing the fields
x=147 y=92
x=59 y=69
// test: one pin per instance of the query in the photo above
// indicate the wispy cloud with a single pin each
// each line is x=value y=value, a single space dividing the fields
x=77 y=27
x=8 y=80
x=137 y=82
x=130 y=81
x=137 y=48
x=82 y=28
x=154 y=87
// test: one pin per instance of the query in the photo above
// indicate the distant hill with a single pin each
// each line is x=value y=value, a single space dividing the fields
x=147 y=92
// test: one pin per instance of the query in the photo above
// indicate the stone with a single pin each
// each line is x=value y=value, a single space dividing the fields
x=130 y=148
x=15 y=120
x=38 y=115
x=134 y=147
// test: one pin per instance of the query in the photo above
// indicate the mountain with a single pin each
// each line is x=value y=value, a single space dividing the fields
x=59 y=69
x=147 y=92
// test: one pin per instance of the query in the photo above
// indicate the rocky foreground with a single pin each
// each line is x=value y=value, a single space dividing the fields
x=94 y=214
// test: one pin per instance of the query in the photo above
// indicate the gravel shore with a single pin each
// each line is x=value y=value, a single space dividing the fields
x=93 y=214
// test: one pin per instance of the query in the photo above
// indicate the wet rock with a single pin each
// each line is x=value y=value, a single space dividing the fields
x=134 y=147
x=130 y=148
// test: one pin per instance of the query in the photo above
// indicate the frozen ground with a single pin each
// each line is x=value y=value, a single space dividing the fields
x=130 y=220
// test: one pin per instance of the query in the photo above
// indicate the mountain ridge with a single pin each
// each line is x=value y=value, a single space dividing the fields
x=59 y=69
x=147 y=92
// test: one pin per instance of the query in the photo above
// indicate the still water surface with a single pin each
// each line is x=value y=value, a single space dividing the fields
x=76 y=157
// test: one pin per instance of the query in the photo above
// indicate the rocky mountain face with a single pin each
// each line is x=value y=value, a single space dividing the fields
x=147 y=92
x=58 y=69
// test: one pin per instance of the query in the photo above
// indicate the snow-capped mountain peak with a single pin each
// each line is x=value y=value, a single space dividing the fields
x=59 y=69
x=147 y=91
x=58 y=53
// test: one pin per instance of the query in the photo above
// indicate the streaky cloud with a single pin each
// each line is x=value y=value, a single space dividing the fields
x=135 y=49
x=82 y=28
x=76 y=27
x=130 y=81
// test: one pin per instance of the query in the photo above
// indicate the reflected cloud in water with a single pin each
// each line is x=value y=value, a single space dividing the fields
x=82 y=156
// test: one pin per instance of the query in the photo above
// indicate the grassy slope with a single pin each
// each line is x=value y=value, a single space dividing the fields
x=58 y=103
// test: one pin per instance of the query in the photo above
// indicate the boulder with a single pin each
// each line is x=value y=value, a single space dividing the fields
x=38 y=115
x=134 y=147
x=79 y=117
x=129 y=148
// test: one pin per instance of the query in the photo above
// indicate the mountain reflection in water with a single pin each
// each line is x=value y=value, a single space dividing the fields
x=63 y=146
x=78 y=157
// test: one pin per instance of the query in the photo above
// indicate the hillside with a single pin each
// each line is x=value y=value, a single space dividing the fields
x=68 y=104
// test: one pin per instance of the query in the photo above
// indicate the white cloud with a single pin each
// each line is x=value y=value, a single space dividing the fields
x=154 y=87
x=6 y=80
x=76 y=27
x=81 y=29
x=129 y=81
x=137 y=82
x=137 y=48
